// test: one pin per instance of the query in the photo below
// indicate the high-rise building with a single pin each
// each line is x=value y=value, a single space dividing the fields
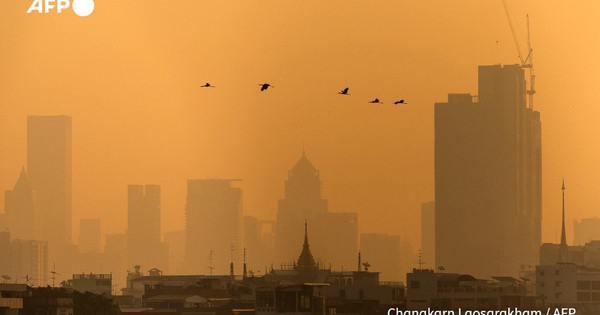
x=428 y=233
x=19 y=207
x=144 y=245
x=30 y=260
x=337 y=232
x=213 y=223
x=89 y=235
x=384 y=253
x=258 y=243
x=49 y=171
x=115 y=251
x=488 y=177
x=175 y=241
x=586 y=230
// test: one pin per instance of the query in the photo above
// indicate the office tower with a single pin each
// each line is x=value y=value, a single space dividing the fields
x=213 y=215
x=49 y=172
x=175 y=241
x=383 y=253
x=335 y=239
x=488 y=177
x=428 y=233
x=144 y=245
x=586 y=230
x=30 y=260
x=259 y=243
x=336 y=233
x=19 y=208
x=115 y=251
x=89 y=235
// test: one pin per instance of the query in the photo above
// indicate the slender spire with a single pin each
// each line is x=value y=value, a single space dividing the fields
x=305 y=232
x=245 y=270
x=359 y=261
x=563 y=236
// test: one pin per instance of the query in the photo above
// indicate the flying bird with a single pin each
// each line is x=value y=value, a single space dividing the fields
x=207 y=85
x=400 y=102
x=376 y=101
x=265 y=86
x=344 y=91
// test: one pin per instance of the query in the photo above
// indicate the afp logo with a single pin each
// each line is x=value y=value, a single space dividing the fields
x=80 y=7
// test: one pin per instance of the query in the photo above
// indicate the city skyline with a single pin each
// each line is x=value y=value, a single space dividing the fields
x=230 y=131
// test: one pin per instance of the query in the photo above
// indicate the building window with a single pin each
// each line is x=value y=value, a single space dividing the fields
x=415 y=284
x=584 y=296
x=596 y=285
x=343 y=294
x=556 y=272
x=557 y=284
x=584 y=285
x=541 y=284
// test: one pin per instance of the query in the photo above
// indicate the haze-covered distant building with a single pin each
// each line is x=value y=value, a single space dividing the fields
x=115 y=251
x=23 y=260
x=586 y=230
x=384 y=253
x=337 y=232
x=259 y=242
x=175 y=241
x=49 y=167
x=144 y=246
x=428 y=233
x=89 y=235
x=213 y=223
x=488 y=177
x=19 y=209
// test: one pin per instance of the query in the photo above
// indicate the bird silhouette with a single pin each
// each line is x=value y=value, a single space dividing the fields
x=400 y=102
x=265 y=86
x=207 y=85
x=376 y=101
x=344 y=91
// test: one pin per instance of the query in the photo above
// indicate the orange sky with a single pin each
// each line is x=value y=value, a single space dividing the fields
x=129 y=76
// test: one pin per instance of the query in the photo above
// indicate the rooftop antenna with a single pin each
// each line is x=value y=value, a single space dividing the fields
x=210 y=265
x=245 y=273
x=54 y=273
x=231 y=264
x=421 y=262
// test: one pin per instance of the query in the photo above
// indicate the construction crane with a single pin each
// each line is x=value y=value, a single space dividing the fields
x=527 y=62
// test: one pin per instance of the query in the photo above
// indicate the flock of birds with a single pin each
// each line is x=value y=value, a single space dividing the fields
x=345 y=91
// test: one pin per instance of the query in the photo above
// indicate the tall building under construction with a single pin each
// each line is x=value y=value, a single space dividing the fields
x=488 y=155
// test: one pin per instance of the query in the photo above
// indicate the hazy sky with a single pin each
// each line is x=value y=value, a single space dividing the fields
x=129 y=75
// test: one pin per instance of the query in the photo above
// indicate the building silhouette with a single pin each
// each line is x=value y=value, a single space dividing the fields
x=144 y=246
x=49 y=167
x=89 y=235
x=259 y=243
x=19 y=209
x=488 y=177
x=24 y=260
x=213 y=223
x=175 y=241
x=384 y=253
x=337 y=232
x=585 y=230
x=428 y=233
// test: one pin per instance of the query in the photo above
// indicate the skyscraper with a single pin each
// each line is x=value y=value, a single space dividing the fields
x=213 y=223
x=19 y=207
x=49 y=171
x=89 y=235
x=488 y=177
x=144 y=245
